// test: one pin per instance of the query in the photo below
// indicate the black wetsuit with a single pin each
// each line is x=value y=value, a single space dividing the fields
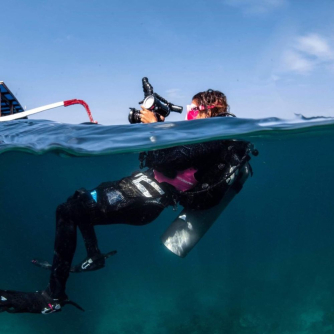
x=135 y=200
x=139 y=199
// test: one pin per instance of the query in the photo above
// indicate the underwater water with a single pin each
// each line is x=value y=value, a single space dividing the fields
x=266 y=265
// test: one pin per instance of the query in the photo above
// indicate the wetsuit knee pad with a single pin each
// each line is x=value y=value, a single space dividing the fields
x=62 y=210
x=84 y=196
x=80 y=204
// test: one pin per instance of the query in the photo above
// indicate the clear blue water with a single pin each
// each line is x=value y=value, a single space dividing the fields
x=264 y=267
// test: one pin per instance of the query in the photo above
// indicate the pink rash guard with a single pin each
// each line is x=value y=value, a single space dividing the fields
x=184 y=180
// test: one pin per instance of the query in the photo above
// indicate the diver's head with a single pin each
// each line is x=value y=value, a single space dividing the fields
x=210 y=103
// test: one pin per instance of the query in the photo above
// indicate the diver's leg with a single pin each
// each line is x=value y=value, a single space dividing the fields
x=87 y=231
x=93 y=216
x=80 y=211
x=95 y=259
x=135 y=200
x=54 y=297
x=83 y=222
x=64 y=248
x=86 y=223
x=120 y=207
x=112 y=203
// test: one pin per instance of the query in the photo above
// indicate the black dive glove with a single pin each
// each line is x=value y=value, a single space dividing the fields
x=31 y=302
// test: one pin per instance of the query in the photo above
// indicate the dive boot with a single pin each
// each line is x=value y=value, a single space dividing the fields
x=90 y=263
x=32 y=302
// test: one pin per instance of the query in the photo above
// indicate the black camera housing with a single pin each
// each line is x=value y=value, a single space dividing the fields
x=134 y=116
x=153 y=102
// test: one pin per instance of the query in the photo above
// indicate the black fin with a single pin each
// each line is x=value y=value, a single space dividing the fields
x=70 y=302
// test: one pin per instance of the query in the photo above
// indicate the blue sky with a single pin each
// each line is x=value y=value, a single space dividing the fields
x=270 y=57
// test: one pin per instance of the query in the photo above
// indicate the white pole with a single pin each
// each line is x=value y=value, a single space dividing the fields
x=31 y=112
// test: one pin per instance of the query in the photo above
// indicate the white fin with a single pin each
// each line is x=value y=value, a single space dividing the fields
x=3 y=299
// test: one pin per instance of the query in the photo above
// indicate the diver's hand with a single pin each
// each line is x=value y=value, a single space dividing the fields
x=148 y=116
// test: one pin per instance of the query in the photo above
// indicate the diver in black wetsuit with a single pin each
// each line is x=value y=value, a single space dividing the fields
x=197 y=176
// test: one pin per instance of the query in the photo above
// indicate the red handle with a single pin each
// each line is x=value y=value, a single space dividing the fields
x=83 y=103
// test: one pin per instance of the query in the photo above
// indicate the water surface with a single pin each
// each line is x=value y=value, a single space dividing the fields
x=264 y=267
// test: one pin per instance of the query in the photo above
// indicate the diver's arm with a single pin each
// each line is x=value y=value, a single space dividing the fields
x=181 y=157
x=178 y=157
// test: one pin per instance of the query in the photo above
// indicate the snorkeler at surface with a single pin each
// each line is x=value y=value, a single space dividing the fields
x=197 y=176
